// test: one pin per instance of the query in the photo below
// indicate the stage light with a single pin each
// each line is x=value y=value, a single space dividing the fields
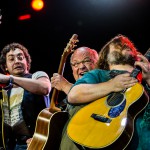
x=37 y=5
x=24 y=17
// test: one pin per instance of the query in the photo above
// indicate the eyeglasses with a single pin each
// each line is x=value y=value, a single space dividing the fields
x=84 y=62
x=11 y=58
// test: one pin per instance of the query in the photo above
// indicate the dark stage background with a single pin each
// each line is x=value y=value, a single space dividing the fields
x=48 y=31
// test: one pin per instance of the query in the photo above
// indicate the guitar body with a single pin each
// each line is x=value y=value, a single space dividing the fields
x=50 y=122
x=48 y=130
x=100 y=125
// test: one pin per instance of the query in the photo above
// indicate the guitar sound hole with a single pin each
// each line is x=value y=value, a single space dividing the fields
x=115 y=99
x=116 y=111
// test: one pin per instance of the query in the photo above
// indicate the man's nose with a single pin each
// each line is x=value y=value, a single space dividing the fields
x=16 y=59
x=81 y=65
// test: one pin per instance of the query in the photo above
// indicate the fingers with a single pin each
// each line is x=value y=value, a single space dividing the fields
x=28 y=141
x=55 y=74
x=129 y=82
x=124 y=81
x=145 y=66
x=57 y=81
x=143 y=58
x=143 y=63
x=54 y=77
x=54 y=80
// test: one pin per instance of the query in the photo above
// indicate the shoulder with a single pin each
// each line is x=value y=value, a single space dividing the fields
x=98 y=72
x=94 y=76
x=39 y=74
x=90 y=77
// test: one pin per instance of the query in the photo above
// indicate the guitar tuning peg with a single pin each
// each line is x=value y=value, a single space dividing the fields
x=74 y=46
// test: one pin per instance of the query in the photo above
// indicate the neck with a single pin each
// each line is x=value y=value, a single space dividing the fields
x=121 y=67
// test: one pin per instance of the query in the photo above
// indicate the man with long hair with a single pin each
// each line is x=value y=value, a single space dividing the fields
x=117 y=60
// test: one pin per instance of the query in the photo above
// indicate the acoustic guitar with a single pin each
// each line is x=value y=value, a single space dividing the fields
x=50 y=121
x=108 y=123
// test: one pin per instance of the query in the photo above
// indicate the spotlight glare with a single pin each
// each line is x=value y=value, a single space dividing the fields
x=37 y=5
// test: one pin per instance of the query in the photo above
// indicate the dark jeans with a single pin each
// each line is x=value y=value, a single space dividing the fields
x=17 y=144
x=20 y=147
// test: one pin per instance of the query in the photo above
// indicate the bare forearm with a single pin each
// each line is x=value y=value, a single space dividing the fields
x=67 y=87
x=60 y=83
x=85 y=93
x=40 y=86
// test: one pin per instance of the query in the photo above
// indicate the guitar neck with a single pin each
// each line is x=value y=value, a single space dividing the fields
x=55 y=93
x=67 y=51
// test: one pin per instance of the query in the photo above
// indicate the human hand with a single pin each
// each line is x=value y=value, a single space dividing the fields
x=145 y=66
x=4 y=78
x=58 y=81
x=122 y=82
x=28 y=141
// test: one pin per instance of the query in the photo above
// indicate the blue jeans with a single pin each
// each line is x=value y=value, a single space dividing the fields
x=20 y=147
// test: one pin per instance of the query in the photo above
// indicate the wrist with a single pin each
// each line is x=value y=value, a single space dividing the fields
x=10 y=83
x=67 y=87
x=11 y=79
x=111 y=86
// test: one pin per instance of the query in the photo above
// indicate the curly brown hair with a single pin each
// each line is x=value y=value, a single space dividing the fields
x=13 y=46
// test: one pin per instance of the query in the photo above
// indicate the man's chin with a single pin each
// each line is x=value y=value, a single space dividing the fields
x=80 y=76
x=19 y=73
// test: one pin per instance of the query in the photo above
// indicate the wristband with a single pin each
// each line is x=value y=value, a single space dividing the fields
x=11 y=81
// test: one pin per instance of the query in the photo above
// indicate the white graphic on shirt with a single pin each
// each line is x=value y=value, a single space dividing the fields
x=12 y=108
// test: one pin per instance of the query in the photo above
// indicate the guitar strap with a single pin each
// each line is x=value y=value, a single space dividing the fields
x=2 y=142
x=136 y=74
x=62 y=105
x=114 y=73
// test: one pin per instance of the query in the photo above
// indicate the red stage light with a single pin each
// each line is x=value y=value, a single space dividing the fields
x=24 y=17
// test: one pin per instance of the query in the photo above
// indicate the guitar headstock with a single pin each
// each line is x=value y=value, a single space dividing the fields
x=70 y=46
x=67 y=51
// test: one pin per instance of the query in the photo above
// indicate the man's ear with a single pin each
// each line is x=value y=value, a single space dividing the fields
x=6 y=69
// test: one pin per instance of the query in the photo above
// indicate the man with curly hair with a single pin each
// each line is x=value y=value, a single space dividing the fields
x=24 y=95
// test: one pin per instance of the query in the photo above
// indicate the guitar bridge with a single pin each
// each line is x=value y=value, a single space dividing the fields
x=101 y=118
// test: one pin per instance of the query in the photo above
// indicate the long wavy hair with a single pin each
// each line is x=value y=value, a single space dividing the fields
x=118 y=41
